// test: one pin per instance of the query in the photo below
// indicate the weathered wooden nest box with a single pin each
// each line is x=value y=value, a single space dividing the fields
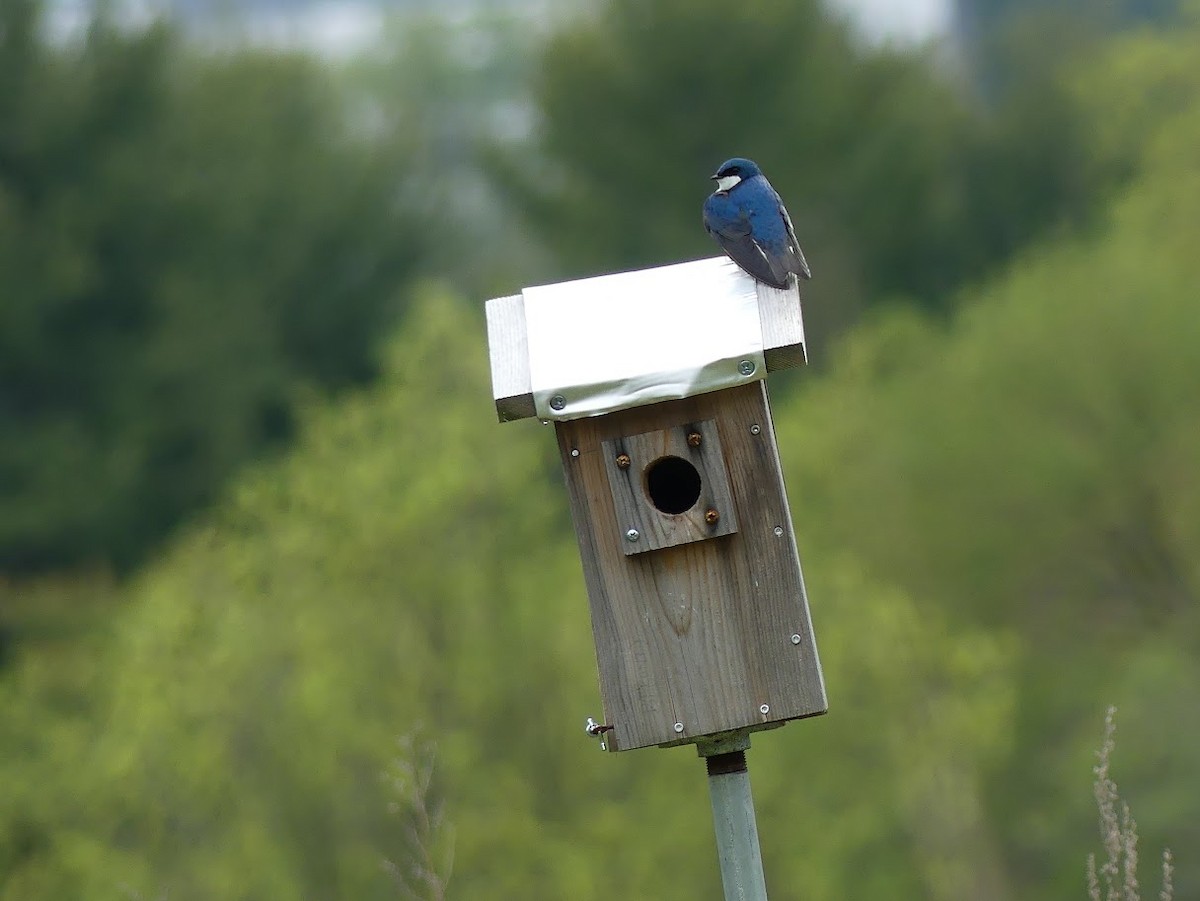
x=655 y=382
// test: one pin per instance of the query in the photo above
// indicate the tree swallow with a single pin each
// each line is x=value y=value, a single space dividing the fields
x=749 y=221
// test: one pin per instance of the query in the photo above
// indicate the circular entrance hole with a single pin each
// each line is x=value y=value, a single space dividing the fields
x=673 y=484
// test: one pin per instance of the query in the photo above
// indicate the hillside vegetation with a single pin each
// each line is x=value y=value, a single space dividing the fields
x=997 y=509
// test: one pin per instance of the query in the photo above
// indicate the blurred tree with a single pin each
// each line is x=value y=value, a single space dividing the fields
x=976 y=22
x=448 y=88
x=898 y=185
x=1022 y=56
x=998 y=517
x=185 y=240
x=47 y=692
x=1076 y=368
x=1026 y=470
x=387 y=577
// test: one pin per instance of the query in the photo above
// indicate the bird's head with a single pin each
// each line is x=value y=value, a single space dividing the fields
x=733 y=172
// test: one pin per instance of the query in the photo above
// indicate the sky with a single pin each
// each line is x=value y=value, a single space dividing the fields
x=904 y=20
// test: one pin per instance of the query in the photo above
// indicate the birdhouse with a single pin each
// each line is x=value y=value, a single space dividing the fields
x=655 y=383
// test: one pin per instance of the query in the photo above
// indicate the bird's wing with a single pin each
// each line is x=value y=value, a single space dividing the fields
x=735 y=239
x=801 y=264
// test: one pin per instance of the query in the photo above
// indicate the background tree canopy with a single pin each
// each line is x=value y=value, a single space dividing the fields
x=205 y=253
x=185 y=243
x=641 y=103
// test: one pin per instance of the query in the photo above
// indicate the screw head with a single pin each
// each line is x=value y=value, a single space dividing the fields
x=764 y=709
x=574 y=452
x=557 y=402
x=796 y=638
x=746 y=367
x=694 y=439
x=711 y=516
x=756 y=429
x=778 y=530
x=633 y=535
x=679 y=727
x=623 y=461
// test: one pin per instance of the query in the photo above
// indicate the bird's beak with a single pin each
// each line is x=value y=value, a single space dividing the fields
x=714 y=177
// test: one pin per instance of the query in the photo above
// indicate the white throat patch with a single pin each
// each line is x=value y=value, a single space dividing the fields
x=725 y=182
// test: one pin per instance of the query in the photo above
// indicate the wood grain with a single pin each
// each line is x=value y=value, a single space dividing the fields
x=508 y=344
x=782 y=322
x=698 y=633
x=635 y=508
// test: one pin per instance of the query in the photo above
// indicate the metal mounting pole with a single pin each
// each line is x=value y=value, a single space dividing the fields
x=733 y=817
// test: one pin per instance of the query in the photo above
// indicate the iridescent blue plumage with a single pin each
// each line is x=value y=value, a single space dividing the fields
x=749 y=221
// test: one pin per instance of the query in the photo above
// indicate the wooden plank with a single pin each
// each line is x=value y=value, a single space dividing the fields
x=782 y=322
x=701 y=634
x=695 y=448
x=508 y=344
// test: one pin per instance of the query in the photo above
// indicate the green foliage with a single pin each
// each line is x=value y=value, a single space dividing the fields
x=1031 y=63
x=1095 y=341
x=976 y=19
x=447 y=90
x=1138 y=97
x=287 y=722
x=185 y=241
x=897 y=183
x=1026 y=469
x=961 y=494
x=408 y=567
x=53 y=634
x=997 y=511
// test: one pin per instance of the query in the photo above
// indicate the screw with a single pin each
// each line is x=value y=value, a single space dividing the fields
x=755 y=429
x=796 y=638
x=711 y=516
x=778 y=531
x=764 y=709
x=623 y=461
x=633 y=535
x=557 y=402
x=694 y=439
x=746 y=367
x=679 y=727
x=574 y=452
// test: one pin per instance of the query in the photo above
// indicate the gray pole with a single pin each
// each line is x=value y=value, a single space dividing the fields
x=733 y=818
